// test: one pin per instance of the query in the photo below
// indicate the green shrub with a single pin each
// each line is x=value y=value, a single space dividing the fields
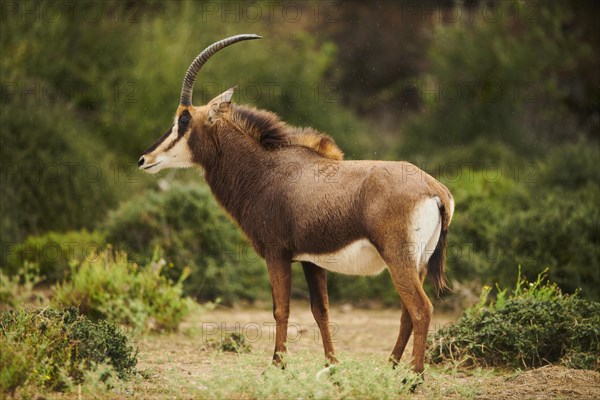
x=234 y=342
x=107 y=286
x=53 y=348
x=194 y=232
x=54 y=177
x=494 y=81
x=559 y=231
x=53 y=252
x=533 y=326
x=572 y=166
x=58 y=158
x=18 y=289
x=530 y=215
x=15 y=366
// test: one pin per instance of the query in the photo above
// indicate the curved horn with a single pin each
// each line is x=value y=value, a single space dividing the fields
x=190 y=75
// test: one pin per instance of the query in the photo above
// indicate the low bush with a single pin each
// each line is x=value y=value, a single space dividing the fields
x=107 y=286
x=534 y=325
x=558 y=231
x=54 y=348
x=191 y=229
x=53 y=252
x=234 y=342
x=572 y=166
x=18 y=289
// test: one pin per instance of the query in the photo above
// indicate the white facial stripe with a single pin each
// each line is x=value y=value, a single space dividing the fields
x=169 y=142
x=173 y=152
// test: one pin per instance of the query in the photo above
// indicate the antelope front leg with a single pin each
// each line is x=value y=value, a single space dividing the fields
x=280 y=275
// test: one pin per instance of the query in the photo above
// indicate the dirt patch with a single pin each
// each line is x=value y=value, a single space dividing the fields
x=548 y=382
x=177 y=363
x=354 y=330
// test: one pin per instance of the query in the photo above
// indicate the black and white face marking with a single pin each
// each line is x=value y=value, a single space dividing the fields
x=183 y=123
x=170 y=150
x=158 y=142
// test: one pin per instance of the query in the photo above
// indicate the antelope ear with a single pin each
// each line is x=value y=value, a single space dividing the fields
x=220 y=105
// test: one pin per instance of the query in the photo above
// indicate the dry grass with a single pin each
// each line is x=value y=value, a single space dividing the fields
x=549 y=382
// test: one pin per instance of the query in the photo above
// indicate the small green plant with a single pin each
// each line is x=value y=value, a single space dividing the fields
x=107 y=286
x=533 y=326
x=235 y=342
x=18 y=289
x=54 y=348
x=15 y=366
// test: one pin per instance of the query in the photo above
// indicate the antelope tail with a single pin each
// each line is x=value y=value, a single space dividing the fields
x=437 y=262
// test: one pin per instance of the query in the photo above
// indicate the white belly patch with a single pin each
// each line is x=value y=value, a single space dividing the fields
x=357 y=258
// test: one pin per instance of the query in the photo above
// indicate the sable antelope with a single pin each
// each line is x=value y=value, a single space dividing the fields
x=297 y=200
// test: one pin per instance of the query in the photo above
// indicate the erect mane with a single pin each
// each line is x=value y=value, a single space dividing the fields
x=272 y=133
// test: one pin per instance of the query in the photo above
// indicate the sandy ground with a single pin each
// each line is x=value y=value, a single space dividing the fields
x=356 y=332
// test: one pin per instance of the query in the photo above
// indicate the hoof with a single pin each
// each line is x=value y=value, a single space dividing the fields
x=278 y=361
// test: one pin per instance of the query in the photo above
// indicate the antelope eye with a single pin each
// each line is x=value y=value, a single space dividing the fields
x=184 y=119
x=183 y=122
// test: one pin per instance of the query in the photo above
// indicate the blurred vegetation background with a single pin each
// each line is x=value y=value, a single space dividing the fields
x=498 y=99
